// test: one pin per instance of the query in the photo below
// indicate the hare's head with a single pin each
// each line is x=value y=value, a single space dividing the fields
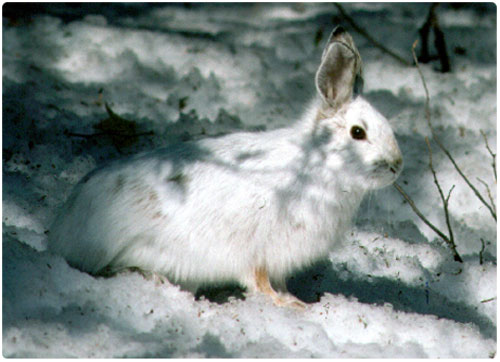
x=360 y=134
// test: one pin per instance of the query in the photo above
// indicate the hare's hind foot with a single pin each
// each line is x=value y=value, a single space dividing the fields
x=157 y=278
x=262 y=284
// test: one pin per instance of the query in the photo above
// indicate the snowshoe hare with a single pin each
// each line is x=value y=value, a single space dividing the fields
x=246 y=207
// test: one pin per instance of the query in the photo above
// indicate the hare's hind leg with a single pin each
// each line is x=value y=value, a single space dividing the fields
x=157 y=278
x=261 y=283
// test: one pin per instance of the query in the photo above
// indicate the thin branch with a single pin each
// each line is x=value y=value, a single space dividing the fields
x=451 y=239
x=364 y=33
x=436 y=139
x=417 y=211
x=449 y=193
x=472 y=187
x=483 y=246
x=424 y=83
x=492 y=201
x=456 y=255
x=493 y=155
x=488 y=300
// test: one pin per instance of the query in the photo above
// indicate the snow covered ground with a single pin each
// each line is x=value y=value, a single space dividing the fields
x=391 y=289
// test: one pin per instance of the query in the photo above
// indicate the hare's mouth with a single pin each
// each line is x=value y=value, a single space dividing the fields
x=384 y=173
x=382 y=167
x=396 y=166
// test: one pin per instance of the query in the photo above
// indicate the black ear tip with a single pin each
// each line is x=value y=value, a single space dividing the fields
x=339 y=30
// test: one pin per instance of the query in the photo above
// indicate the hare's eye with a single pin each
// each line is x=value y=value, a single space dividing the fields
x=358 y=133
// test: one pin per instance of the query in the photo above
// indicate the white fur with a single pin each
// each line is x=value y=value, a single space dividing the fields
x=215 y=209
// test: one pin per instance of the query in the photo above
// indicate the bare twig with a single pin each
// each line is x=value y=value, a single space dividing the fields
x=122 y=132
x=488 y=300
x=492 y=201
x=472 y=187
x=483 y=246
x=456 y=255
x=438 y=142
x=445 y=200
x=417 y=211
x=493 y=155
x=364 y=33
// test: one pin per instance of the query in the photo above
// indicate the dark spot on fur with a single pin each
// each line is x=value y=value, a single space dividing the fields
x=119 y=183
x=153 y=196
x=85 y=179
x=179 y=179
x=158 y=215
x=248 y=155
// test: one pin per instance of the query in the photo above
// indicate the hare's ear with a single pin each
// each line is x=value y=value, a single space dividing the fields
x=340 y=70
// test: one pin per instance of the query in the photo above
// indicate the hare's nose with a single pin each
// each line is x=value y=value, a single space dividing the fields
x=396 y=165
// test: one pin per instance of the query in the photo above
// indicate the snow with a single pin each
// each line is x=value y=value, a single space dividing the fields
x=391 y=289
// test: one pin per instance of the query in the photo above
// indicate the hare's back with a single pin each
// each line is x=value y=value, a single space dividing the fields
x=164 y=201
